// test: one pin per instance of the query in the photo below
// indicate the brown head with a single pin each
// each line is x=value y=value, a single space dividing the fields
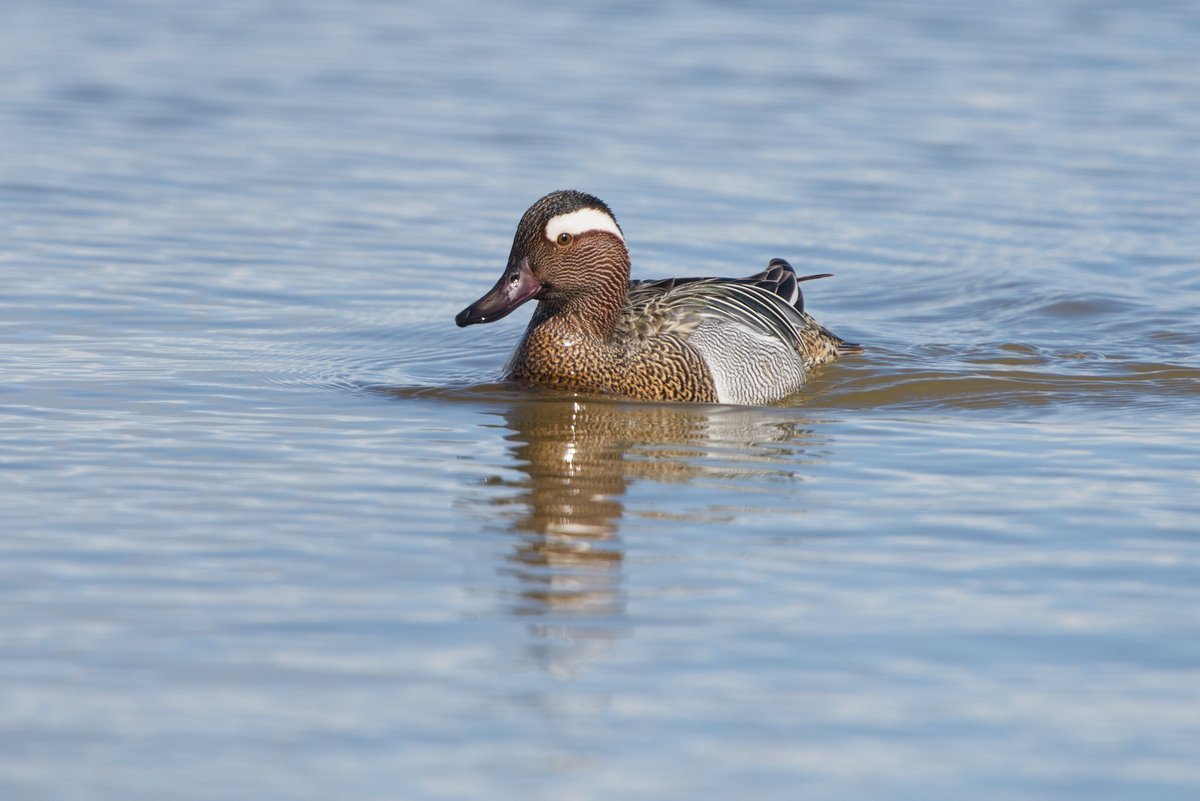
x=569 y=254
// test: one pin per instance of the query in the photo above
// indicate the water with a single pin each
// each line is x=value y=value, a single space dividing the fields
x=272 y=529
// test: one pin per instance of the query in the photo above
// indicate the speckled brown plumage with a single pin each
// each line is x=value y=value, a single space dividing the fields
x=554 y=353
x=691 y=339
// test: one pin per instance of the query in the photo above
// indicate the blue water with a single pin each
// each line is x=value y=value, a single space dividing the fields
x=271 y=528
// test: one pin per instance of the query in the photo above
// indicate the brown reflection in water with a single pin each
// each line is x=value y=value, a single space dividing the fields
x=578 y=458
x=569 y=558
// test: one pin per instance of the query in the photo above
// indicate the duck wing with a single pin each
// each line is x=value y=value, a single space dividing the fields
x=780 y=279
x=768 y=303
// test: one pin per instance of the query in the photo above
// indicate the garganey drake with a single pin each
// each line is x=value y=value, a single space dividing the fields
x=708 y=340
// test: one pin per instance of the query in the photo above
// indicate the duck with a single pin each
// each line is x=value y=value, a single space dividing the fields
x=744 y=341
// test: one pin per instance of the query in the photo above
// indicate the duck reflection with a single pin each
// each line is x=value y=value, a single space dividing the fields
x=568 y=557
x=578 y=458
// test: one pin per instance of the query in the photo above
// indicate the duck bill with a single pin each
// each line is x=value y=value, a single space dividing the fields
x=516 y=286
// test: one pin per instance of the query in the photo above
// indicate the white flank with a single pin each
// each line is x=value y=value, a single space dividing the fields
x=581 y=221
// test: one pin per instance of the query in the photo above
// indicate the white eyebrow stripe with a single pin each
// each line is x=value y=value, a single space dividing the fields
x=581 y=221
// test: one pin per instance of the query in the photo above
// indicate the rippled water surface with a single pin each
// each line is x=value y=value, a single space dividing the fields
x=272 y=529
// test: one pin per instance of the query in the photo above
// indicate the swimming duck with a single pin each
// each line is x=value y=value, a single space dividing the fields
x=709 y=340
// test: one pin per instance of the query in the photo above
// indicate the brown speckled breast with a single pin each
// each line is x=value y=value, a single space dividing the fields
x=664 y=368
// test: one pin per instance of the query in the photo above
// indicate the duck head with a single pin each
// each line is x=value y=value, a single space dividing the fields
x=569 y=254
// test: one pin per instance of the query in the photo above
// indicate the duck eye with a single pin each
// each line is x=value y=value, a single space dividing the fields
x=564 y=238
